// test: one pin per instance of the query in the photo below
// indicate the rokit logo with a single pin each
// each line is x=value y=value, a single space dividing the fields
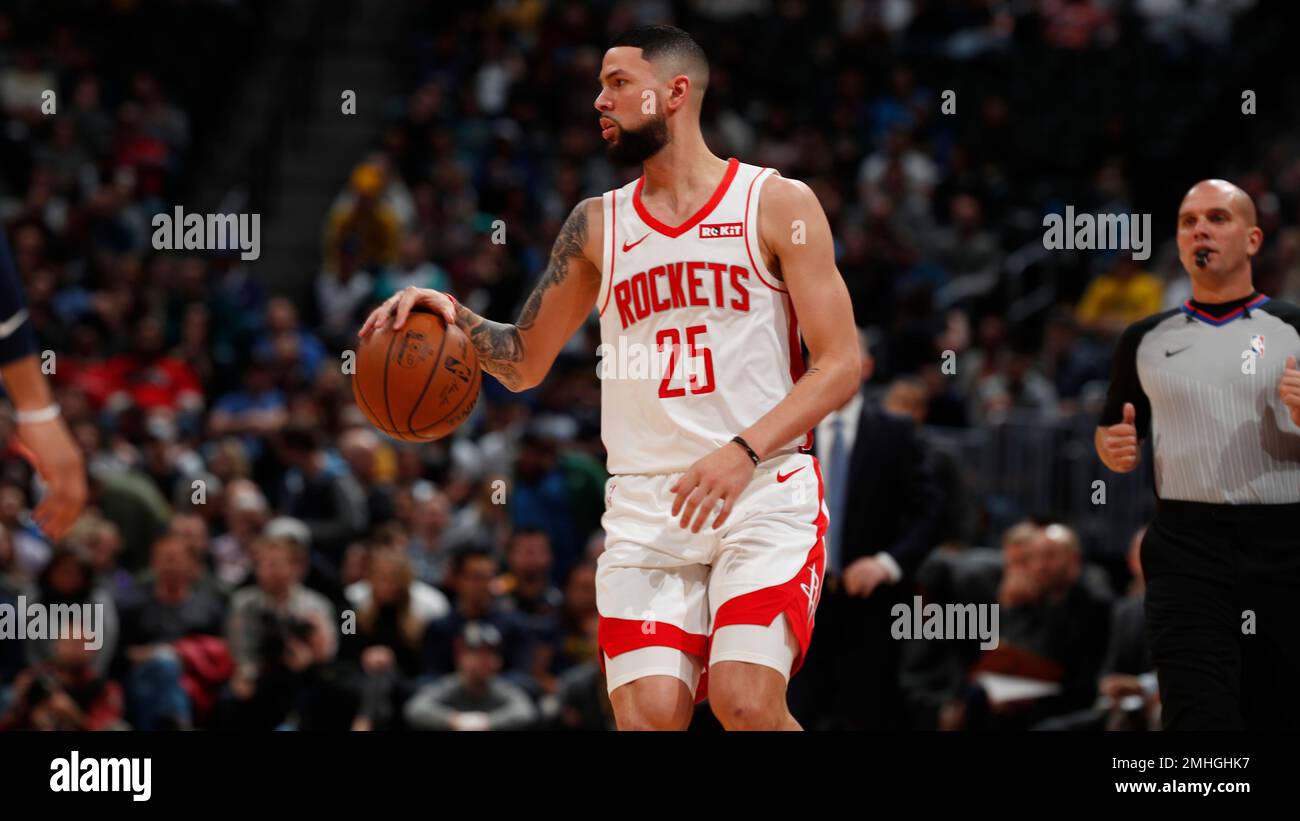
x=130 y=775
x=722 y=229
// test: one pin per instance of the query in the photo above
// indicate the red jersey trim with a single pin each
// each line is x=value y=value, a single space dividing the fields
x=758 y=267
x=613 y=249
x=764 y=605
x=618 y=636
x=797 y=364
x=732 y=165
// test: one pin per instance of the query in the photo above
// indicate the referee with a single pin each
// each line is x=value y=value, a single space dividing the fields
x=1214 y=383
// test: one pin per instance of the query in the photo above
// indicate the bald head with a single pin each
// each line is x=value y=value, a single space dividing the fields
x=1217 y=237
x=1239 y=201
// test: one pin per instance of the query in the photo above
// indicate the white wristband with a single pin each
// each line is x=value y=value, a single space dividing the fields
x=42 y=415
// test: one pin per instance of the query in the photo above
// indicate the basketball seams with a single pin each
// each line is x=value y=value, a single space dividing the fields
x=437 y=360
x=388 y=356
x=467 y=393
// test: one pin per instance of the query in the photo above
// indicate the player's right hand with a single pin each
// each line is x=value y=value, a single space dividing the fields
x=1121 y=442
x=397 y=307
x=50 y=448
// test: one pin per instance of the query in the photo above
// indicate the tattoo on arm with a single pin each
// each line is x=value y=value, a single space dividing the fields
x=809 y=373
x=500 y=346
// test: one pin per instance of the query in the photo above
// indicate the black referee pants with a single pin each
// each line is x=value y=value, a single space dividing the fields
x=1223 y=614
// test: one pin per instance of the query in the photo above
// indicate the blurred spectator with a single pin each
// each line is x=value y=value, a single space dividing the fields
x=69 y=581
x=343 y=294
x=366 y=225
x=413 y=269
x=170 y=609
x=65 y=692
x=469 y=580
x=362 y=449
x=1118 y=298
x=28 y=546
x=253 y=413
x=290 y=349
x=146 y=377
x=475 y=697
x=246 y=512
x=392 y=612
x=319 y=490
x=281 y=636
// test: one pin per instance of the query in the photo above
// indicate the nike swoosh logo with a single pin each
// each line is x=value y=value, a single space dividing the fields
x=627 y=247
x=1180 y=350
x=781 y=478
x=12 y=323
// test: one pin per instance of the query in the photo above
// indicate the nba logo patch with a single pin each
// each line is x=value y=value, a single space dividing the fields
x=1257 y=344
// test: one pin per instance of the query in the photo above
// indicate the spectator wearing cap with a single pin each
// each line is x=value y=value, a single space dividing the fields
x=475 y=697
x=470 y=575
x=367 y=222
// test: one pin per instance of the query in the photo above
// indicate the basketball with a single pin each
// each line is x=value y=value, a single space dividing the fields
x=418 y=383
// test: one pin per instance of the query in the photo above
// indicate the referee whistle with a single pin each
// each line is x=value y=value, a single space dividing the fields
x=1201 y=258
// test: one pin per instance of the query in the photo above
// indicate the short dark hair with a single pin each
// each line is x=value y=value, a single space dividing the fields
x=470 y=550
x=671 y=44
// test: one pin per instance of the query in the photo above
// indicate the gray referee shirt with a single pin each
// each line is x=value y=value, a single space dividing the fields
x=1220 y=432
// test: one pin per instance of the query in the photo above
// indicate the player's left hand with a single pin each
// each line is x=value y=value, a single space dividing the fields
x=1289 y=388
x=718 y=477
x=863 y=576
x=50 y=448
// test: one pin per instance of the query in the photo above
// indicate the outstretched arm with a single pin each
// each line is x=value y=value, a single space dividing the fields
x=520 y=355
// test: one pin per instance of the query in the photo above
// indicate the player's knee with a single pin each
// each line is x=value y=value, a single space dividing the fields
x=652 y=703
x=741 y=701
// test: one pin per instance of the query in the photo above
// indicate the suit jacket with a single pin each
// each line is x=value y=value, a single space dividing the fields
x=893 y=502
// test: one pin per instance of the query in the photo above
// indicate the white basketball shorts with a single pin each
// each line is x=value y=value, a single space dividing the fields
x=660 y=586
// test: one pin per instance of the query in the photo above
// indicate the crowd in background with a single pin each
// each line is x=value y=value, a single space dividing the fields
x=265 y=559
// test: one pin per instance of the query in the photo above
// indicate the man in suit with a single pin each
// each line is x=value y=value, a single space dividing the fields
x=885 y=510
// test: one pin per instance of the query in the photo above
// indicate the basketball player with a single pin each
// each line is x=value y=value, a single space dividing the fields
x=42 y=437
x=709 y=261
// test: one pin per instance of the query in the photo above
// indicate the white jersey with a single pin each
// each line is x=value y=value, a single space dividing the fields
x=698 y=339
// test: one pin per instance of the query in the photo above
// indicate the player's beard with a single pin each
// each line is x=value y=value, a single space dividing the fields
x=635 y=146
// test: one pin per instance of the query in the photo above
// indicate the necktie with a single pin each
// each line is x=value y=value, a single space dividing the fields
x=839 y=481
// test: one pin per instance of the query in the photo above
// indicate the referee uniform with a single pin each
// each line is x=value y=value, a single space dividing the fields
x=1222 y=558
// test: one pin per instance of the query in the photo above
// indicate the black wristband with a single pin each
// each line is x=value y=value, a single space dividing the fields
x=752 y=455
